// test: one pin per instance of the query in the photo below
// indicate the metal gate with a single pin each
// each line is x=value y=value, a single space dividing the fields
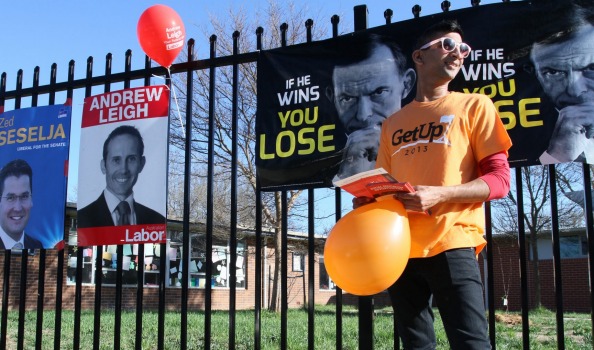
x=21 y=281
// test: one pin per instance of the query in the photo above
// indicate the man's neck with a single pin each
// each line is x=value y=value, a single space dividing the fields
x=7 y=237
x=118 y=196
x=431 y=93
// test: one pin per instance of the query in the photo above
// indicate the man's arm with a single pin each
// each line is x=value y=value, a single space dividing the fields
x=494 y=183
x=496 y=174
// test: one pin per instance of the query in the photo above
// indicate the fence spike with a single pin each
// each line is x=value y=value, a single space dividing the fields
x=416 y=10
x=259 y=32
x=335 y=20
x=388 y=15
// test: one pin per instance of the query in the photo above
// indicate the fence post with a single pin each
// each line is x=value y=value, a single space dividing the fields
x=366 y=302
x=589 y=232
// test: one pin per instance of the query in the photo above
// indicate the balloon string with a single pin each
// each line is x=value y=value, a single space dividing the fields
x=183 y=132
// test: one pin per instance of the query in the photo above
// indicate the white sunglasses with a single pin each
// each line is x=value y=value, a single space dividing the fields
x=449 y=45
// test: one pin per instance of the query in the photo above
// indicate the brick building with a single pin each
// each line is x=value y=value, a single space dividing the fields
x=506 y=274
x=574 y=271
x=297 y=283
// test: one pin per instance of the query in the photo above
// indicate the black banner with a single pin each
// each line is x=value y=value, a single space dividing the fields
x=535 y=61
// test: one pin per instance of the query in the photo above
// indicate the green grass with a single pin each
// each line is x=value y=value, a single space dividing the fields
x=543 y=331
x=577 y=330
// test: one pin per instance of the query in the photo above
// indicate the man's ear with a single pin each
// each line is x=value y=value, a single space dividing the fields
x=330 y=93
x=408 y=78
x=529 y=68
x=417 y=57
x=103 y=166
x=142 y=163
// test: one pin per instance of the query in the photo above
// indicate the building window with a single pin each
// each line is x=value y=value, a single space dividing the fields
x=298 y=262
x=221 y=257
x=573 y=246
x=88 y=265
x=325 y=280
x=154 y=262
x=130 y=261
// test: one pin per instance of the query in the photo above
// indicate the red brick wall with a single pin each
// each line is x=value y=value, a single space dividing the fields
x=296 y=286
x=576 y=292
x=506 y=271
x=245 y=298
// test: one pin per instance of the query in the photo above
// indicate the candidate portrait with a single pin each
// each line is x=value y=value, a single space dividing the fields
x=368 y=86
x=122 y=163
x=564 y=66
x=16 y=201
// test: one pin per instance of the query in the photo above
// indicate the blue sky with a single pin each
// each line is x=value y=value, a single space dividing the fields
x=42 y=32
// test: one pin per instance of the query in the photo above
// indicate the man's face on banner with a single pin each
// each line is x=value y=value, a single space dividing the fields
x=122 y=165
x=15 y=205
x=367 y=92
x=565 y=69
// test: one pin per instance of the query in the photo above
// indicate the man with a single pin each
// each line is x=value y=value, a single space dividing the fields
x=16 y=201
x=453 y=148
x=366 y=89
x=564 y=66
x=123 y=159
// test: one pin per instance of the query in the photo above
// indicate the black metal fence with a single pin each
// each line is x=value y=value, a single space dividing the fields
x=366 y=312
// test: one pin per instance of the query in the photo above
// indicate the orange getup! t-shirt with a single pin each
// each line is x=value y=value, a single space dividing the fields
x=440 y=143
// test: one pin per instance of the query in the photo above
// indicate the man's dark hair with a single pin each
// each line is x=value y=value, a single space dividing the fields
x=361 y=45
x=16 y=168
x=437 y=30
x=574 y=16
x=123 y=130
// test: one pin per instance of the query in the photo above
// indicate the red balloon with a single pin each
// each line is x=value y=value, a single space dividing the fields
x=368 y=249
x=161 y=34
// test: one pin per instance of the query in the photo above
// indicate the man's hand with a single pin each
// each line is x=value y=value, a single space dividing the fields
x=423 y=199
x=574 y=132
x=361 y=201
x=360 y=152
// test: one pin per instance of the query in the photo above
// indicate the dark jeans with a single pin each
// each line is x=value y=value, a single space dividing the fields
x=454 y=280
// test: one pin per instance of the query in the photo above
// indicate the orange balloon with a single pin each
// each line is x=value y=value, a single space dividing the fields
x=368 y=249
x=161 y=34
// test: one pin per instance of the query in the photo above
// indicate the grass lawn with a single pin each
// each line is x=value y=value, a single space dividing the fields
x=578 y=330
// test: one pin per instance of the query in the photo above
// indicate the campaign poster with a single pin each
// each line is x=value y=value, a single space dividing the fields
x=122 y=176
x=34 y=141
x=533 y=59
x=299 y=139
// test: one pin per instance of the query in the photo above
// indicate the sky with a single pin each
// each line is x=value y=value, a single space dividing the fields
x=42 y=32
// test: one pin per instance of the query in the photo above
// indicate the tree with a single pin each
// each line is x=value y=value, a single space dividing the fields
x=198 y=188
x=245 y=26
x=537 y=215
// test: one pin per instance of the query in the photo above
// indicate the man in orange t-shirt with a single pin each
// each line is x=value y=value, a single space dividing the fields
x=452 y=148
